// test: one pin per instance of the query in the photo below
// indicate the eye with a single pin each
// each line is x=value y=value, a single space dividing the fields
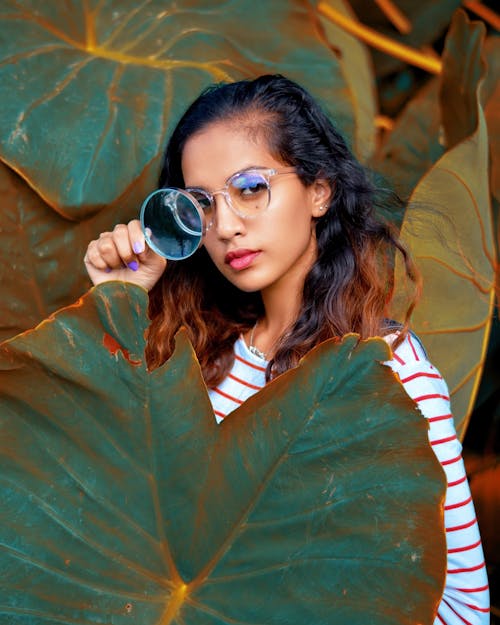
x=248 y=185
x=202 y=198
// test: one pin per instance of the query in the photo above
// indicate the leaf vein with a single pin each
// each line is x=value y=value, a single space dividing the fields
x=65 y=574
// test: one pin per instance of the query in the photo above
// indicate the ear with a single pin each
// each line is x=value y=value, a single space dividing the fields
x=321 y=195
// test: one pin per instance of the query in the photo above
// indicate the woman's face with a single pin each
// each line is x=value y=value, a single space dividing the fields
x=274 y=249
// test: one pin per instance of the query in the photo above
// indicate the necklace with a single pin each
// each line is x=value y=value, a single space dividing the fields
x=255 y=350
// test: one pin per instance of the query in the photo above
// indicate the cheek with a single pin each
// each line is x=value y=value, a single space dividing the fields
x=211 y=248
x=297 y=226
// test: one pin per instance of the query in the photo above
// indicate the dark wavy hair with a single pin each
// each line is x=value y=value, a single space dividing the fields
x=349 y=285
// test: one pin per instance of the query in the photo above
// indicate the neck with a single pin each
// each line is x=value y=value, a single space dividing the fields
x=279 y=315
x=281 y=311
x=282 y=302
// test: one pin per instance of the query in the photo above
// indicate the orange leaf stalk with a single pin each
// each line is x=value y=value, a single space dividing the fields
x=376 y=40
x=484 y=12
x=397 y=18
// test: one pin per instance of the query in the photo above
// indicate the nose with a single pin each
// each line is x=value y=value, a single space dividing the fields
x=227 y=223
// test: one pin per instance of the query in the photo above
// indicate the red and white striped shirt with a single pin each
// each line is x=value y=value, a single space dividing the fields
x=465 y=600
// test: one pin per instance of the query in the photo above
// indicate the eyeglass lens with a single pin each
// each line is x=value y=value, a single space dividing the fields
x=248 y=191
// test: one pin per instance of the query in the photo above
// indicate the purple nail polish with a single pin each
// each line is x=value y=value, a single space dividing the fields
x=138 y=247
x=134 y=265
x=108 y=270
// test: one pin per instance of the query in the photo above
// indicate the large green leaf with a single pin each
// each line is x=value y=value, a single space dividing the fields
x=413 y=145
x=463 y=71
x=319 y=500
x=448 y=229
x=39 y=263
x=41 y=253
x=91 y=89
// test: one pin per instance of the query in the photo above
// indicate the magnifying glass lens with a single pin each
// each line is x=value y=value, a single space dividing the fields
x=172 y=223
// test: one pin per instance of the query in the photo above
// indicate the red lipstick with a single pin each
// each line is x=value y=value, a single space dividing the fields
x=241 y=259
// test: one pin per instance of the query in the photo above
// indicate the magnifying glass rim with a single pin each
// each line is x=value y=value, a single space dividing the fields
x=176 y=217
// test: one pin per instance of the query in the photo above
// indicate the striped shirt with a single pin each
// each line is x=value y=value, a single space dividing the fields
x=465 y=600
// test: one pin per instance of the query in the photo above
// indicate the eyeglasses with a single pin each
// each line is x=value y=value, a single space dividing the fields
x=174 y=220
x=247 y=193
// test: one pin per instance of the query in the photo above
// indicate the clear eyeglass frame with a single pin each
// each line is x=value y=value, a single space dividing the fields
x=206 y=198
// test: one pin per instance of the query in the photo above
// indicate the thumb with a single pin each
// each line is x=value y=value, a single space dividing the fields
x=145 y=254
x=150 y=259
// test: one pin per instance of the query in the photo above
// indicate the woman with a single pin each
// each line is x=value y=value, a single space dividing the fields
x=293 y=254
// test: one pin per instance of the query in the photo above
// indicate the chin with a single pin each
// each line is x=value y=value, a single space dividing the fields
x=246 y=284
x=246 y=288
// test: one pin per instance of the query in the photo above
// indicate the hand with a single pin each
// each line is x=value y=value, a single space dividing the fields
x=124 y=255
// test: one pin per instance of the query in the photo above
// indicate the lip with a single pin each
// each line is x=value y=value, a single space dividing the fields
x=241 y=259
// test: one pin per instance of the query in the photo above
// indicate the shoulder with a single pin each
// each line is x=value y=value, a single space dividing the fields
x=409 y=355
x=409 y=351
x=417 y=374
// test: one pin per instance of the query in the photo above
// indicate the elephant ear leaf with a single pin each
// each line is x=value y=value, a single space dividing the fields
x=92 y=90
x=448 y=229
x=123 y=501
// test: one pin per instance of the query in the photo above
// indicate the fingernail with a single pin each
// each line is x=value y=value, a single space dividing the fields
x=134 y=265
x=108 y=270
x=149 y=232
x=138 y=247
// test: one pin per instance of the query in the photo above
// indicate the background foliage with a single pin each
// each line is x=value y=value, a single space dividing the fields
x=90 y=90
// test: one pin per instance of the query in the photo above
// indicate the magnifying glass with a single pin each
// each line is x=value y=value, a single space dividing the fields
x=173 y=223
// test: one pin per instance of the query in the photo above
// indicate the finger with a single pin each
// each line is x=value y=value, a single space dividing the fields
x=123 y=245
x=94 y=258
x=107 y=249
x=144 y=253
x=137 y=238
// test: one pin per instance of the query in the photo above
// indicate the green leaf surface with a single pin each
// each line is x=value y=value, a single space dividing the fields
x=124 y=502
x=39 y=263
x=92 y=89
x=413 y=145
x=448 y=229
x=464 y=70
x=41 y=253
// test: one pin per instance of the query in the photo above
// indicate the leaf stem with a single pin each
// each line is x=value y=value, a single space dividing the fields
x=376 y=40
x=397 y=18
x=174 y=604
x=484 y=12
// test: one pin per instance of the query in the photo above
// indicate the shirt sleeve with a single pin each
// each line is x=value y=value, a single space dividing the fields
x=465 y=599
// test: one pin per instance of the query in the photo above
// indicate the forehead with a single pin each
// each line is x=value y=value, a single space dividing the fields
x=212 y=155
